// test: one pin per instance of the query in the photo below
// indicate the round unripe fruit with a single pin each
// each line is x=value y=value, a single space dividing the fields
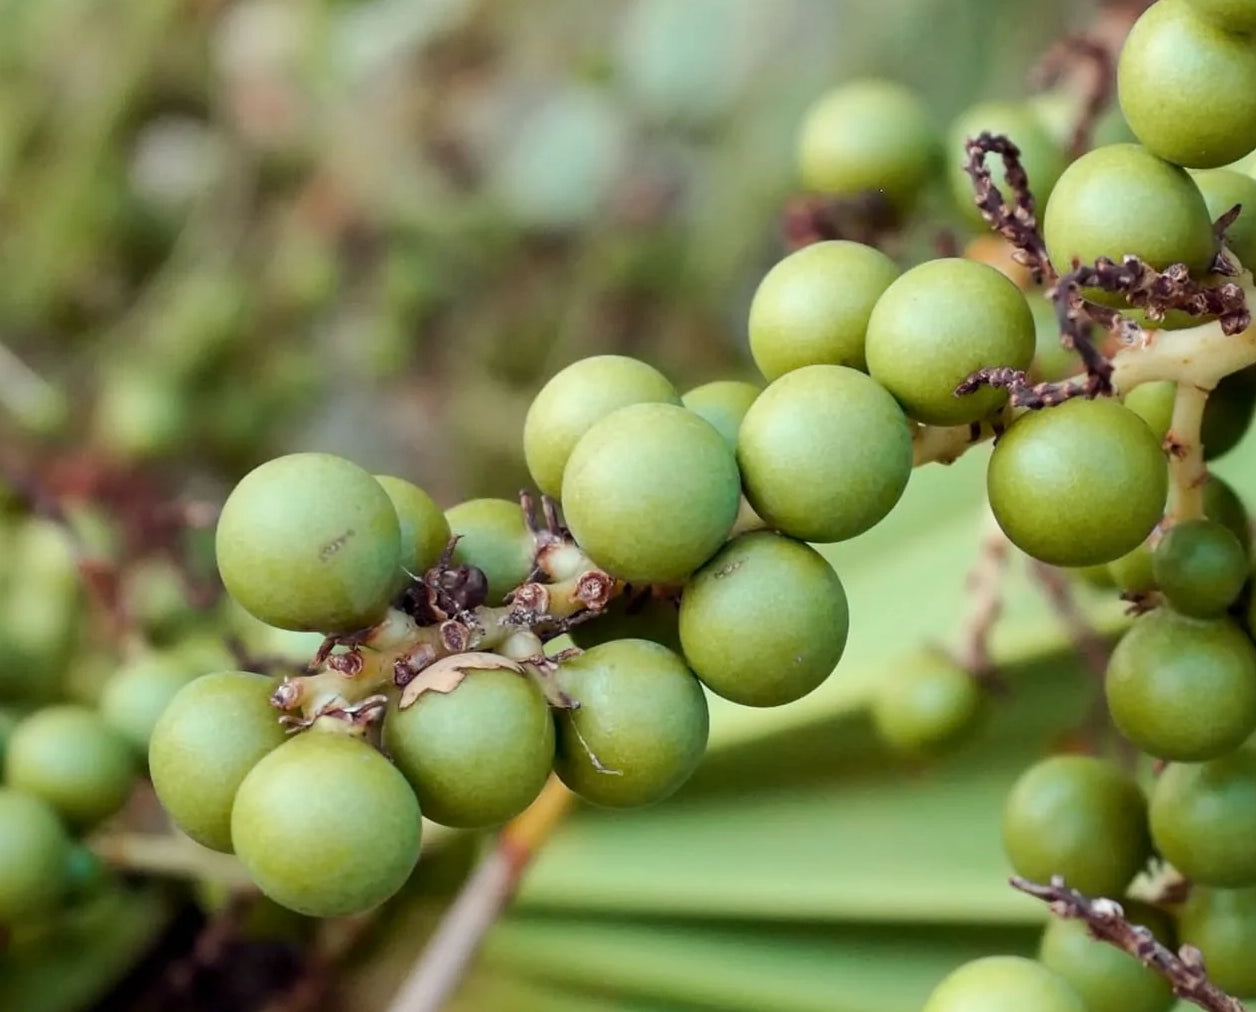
x=724 y=404
x=577 y=397
x=68 y=756
x=1040 y=155
x=1078 y=817
x=1222 y=504
x=478 y=755
x=1221 y=923
x=1228 y=413
x=310 y=541
x=1203 y=819
x=1077 y=484
x=650 y=492
x=764 y=622
x=927 y=705
x=1132 y=572
x=825 y=453
x=1002 y=984
x=868 y=135
x=1229 y=15
x=1187 y=87
x=642 y=715
x=34 y=855
x=134 y=698
x=1183 y=689
x=937 y=324
x=1101 y=207
x=205 y=742
x=326 y=826
x=812 y=308
x=493 y=537
x=1222 y=189
x=1153 y=403
x=423 y=527
x=1200 y=566
x=1107 y=978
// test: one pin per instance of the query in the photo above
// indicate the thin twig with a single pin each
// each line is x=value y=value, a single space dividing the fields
x=485 y=894
x=1105 y=918
x=1059 y=592
x=985 y=604
x=1069 y=52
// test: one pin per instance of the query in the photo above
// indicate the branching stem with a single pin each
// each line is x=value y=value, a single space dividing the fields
x=1187 y=471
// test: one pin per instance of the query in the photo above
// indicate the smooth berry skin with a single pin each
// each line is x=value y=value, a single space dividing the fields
x=812 y=308
x=1187 y=87
x=937 y=324
x=478 y=755
x=1221 y=923
x=134 y=698
x=1002 y=984
x=1079 y=817
x=1153 y=403
x=577 y=397
x=825 y=453
x=1200 y=566
x=1222 y=189
x=1100 y=208
x=1041 y=156
x=651 y=492
x=326 y=826
x=724 y=404
x=643 y=715
x=868 y=135
x=928 y=706
x=1078 y=484
x=765 y=622
x=34 y=855
x=1107 y=977
x=1236 y=16
x=1228 y=413
x=209 y=736
x=1203 y=819
x=1183 y=689
x=423 y=527
x=67 y=755
x=310 y=542
x=493 y=537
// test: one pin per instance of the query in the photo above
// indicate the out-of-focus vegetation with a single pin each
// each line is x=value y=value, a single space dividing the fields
x=229 y=230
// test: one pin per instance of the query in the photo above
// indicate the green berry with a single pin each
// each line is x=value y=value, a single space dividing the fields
x=643 y=613
x=812 y=308
x=1238 y=16
x=1077 y=484
x=642 y=717
x=868 y=135
x=310 y=541
x=825 y=453
x=577 y=397
x=1222 y=189
x=927 y=705
x=68 y=756
x=1181 y=688
x=650 y=492
x=1107 y=978
x=478 y=755
x=1102 y=207
x=154 y=594
x=765 y=621
x=135 y=697
x=1079 y=817
x=1153 y=403
x=493 y=536
x=1004 y=984
x=423 y=527
x=34 y=854
x=1203 y=819
x=1228 y=413
x=205 y=742
x=1187 y=87
x=724 y=404
x=1041 y=155
x=326 y=826
x=1221 y=923
x=1200 y=566
x=1132 y=573
x=937 y=324
x=1222 y=503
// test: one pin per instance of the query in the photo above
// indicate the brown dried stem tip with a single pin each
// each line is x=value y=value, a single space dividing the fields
x=1184 y=970
x=864 y=217
x=1080 y=51
x=1017 y=223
